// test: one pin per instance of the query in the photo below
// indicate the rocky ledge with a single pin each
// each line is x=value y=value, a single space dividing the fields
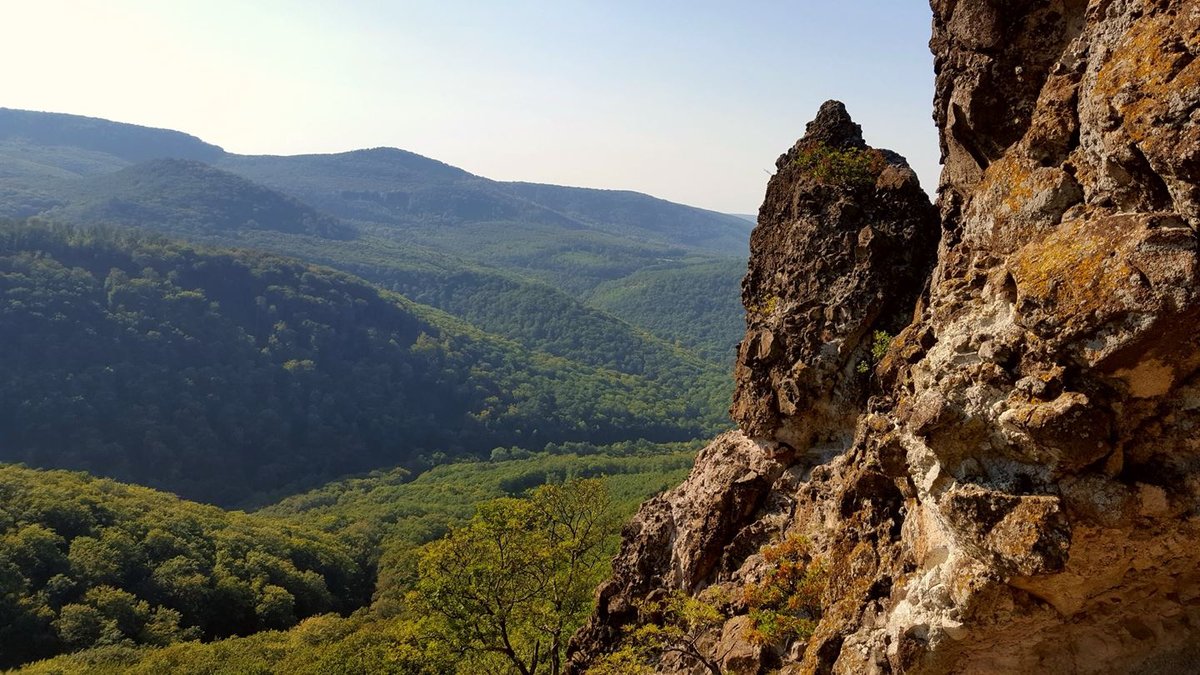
x=978 y=425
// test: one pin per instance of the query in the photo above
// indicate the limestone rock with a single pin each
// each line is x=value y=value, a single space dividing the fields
x=844 y=242
x=1015 y=486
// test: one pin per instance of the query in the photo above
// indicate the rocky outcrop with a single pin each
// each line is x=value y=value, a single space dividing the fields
x=1015 y=485
x=844 y=243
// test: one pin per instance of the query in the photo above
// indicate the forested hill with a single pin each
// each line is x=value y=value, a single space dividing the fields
x=405 y=221
x=190 y=198
x=235 y=376
x=137 y=578
x=128 y=142
x=88 y=562
x=574 y=240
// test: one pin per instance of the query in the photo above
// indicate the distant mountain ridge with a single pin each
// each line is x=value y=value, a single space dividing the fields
x=129 y=142
x=398 y=181
x=390 y=216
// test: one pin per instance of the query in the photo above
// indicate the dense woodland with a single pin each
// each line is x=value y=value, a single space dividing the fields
x=87 y=562
x=704 y=316
x=235 y=376
x=141 y=581
x=409 y=223
x=442 y=393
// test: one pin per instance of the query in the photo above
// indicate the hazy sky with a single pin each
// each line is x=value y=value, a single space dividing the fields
x=687 y=100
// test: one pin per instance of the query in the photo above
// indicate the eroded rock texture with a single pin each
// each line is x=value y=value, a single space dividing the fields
x=844 y=243
x=1015 y=486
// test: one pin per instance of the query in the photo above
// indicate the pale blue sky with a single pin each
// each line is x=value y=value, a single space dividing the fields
x=686 y=100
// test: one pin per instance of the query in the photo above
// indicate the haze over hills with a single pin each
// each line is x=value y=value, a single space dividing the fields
x=406 y=220
x=385 y=185
x=240 y=330
x=129 y=143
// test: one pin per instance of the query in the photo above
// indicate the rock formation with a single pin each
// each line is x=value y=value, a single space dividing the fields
x=1012 y=484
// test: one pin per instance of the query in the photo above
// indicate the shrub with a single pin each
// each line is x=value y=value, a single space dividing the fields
x=786 y=604
x=851 y=167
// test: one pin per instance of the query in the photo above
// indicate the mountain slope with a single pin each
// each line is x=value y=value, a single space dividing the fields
x=88 y=562
x=703 y=316
x=127 y=142
x=189 y=198
x=231 y=376
x=573 y=238
x=411 y=215
x=640 y=216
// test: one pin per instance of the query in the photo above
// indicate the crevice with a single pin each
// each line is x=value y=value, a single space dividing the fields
x=965 y=136
x=1158 y=192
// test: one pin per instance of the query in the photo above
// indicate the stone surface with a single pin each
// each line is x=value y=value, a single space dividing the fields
x=1015 y=486
x=845 y=240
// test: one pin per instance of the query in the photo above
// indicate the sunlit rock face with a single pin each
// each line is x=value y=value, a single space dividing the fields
x=844 y=243
x=1013 y=484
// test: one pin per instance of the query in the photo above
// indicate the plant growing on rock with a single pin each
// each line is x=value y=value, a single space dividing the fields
x=684 y=626
x=785 y=604
x=851 y=167
x=880 y=341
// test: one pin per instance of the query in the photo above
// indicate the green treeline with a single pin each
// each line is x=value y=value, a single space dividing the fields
x=697 y=305
x=234 y=376
x=90 y=562
x=179 y=574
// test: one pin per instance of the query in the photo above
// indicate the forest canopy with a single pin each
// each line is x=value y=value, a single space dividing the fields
x=234 y=376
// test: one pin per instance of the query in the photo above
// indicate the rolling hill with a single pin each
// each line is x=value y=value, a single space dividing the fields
x=186 y=197
x=233 y=376
x=411 y=207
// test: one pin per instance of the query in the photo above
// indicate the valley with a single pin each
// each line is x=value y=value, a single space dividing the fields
x=362 y=349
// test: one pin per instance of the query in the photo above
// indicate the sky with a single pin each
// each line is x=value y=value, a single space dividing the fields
x=688 y=100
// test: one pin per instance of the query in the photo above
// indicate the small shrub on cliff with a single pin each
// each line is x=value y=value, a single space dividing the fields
x=880 y=341
x=786 y=604
x=767 y=307
x=683 y=623
x=844 y=168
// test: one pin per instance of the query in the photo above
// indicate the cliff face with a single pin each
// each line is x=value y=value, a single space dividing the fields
x=1012 y=484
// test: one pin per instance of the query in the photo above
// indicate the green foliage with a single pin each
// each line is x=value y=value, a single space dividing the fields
x=698 y=305
x=383 y=518
x=850 y=167
x=89 y=562
x=785 y=604
x=512 y=585
x=317 y=646
x=880 y=341
x=233 y=376
x=188 y=198
x=684 y=625
x=766 y=308
x=629 y=659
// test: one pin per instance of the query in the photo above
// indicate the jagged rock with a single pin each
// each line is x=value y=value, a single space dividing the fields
x=1016 y=486
x=844 y=242
x=680 y=539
